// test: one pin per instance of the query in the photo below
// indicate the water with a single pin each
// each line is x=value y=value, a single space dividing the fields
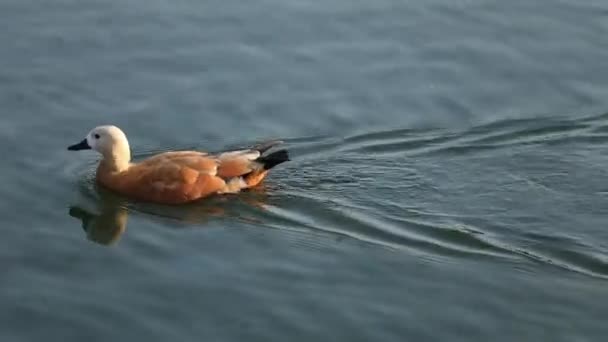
x=448 y=179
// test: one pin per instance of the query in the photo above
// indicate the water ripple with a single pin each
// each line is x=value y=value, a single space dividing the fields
x=495 y=135
x=325 y=197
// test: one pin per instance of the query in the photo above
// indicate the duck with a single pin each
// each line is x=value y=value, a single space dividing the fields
x=176 y=177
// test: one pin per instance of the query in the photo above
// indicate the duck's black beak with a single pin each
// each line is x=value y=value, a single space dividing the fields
x=83 y=145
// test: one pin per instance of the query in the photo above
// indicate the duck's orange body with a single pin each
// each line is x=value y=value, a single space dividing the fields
x=176 y=177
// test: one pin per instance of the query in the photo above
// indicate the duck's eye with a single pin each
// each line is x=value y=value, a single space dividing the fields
x=96 y=136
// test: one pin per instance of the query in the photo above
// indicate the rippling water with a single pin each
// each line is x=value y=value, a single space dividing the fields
x=448 y=179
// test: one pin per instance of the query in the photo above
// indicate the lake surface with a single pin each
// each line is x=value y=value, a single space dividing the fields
x=449 y=178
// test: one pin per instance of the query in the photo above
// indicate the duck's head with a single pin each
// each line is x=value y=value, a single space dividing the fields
x=109 y=140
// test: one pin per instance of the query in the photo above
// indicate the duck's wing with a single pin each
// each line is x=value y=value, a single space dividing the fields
x=237 y=163
x=243 y=162
x=172 y=178
x=226 y=165
x=191 y=158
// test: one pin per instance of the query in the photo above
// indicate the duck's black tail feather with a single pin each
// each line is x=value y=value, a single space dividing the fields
x=273 y=159
x=265 y=146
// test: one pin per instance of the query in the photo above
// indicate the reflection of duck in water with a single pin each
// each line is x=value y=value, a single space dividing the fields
x=106 y=228
x=110 y=223
x=176 y=177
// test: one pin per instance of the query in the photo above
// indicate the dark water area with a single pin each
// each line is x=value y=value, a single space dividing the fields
x=447 y=182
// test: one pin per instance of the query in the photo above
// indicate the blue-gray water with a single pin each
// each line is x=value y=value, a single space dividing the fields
x=449 y=177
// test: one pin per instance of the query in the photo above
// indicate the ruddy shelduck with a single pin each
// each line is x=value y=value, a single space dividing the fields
x=176 y=177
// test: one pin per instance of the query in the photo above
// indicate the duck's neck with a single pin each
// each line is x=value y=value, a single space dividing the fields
x=118 y=159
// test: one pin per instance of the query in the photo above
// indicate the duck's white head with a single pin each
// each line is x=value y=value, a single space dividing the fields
x=111 y=142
